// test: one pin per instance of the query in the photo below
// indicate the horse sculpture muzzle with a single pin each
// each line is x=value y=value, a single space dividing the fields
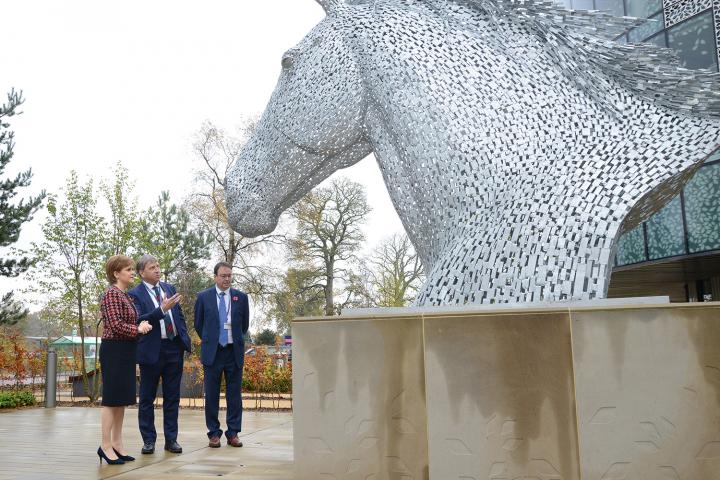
x=250 y=193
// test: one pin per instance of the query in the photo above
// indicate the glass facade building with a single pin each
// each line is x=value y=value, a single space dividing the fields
x=677 y=251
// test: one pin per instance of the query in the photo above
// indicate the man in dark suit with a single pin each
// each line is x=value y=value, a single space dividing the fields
x=160 y=353
x=222 y=318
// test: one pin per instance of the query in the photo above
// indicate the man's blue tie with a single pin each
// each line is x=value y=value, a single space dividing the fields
x=169 y=330
x=222 y=311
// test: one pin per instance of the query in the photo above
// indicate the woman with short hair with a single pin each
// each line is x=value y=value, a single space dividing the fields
x=117 y=356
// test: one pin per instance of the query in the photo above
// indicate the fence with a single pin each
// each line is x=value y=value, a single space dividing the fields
x=267 y=379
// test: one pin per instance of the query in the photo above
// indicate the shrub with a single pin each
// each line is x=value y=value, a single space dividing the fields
x=16 y=399
x=19 y=362
x=282 y=379
x=262 y=375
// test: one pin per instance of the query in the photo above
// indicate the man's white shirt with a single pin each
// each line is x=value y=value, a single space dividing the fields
x=227 y=299
x=151 y=290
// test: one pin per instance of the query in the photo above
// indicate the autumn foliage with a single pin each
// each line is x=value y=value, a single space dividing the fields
x=266 y=375
x=20 y=365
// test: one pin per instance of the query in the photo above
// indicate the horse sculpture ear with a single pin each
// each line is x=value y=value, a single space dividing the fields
x=330 y=6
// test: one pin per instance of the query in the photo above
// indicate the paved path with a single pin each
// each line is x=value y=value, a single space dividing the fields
x=60 y=444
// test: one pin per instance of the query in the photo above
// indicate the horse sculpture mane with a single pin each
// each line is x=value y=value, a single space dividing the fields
x=517 y=139
x=589 y=37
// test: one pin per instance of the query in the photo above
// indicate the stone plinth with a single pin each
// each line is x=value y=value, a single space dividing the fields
x=597 y=392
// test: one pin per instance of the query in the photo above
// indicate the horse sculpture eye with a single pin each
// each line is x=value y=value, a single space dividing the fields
x=287 y=62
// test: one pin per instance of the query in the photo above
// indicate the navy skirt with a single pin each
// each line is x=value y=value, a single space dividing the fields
x=117 y=363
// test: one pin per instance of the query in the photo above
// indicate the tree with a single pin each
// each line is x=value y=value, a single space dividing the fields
x=299 y=295
x=11 y=311
x=13 y=215
x=329 y=235
x=396 y=272
x=165 y=233
x=216 y=153
x=47 y=322
x=69 y=260
x=189 y=280
x=121 y=238
x=163 y=230
x=265 y=337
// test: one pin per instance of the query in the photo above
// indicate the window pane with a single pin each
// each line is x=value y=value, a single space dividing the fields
x=666 y=236
x=631 y=247
x=651 y=27
x=702 y=209
x=614 y=7
x=643 y=8
x=659 y=40
x=694 y=40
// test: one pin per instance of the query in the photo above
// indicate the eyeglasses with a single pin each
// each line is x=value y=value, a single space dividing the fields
x=227 y=277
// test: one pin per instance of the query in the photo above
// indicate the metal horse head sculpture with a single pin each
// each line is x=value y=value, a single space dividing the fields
x=517 y=140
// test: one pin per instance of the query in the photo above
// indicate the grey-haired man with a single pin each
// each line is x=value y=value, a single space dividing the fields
x=159 y=353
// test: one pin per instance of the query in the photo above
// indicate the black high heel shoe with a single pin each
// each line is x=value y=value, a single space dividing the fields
x=102 y=455
x=124 y=458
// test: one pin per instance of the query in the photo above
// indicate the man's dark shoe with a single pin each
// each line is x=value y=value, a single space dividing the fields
x=148 y=447
x=234 y=441
x=173 y=447
x=214 y=442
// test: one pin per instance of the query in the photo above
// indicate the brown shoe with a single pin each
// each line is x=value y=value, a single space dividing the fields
x=214 y=442
x=234 y=441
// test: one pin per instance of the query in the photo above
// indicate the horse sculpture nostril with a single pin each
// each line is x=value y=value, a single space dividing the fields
x=257 y=227
x=247 y=215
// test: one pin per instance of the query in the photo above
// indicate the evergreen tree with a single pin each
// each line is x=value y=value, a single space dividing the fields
x=165 y=232
x=266 y=337
x=12 y=214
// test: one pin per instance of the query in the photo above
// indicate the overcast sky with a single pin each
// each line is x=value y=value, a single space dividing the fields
x=133 y=81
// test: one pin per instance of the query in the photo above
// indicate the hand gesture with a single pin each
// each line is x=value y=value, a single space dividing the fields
x=170 y=302
x=144 y=327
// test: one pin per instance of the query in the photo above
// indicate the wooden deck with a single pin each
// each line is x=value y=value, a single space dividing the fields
x=60 y=444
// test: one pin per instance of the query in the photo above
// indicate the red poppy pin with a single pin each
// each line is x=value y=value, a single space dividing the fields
x=235 y=299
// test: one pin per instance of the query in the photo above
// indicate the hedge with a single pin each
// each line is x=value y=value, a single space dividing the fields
x=16 y=399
